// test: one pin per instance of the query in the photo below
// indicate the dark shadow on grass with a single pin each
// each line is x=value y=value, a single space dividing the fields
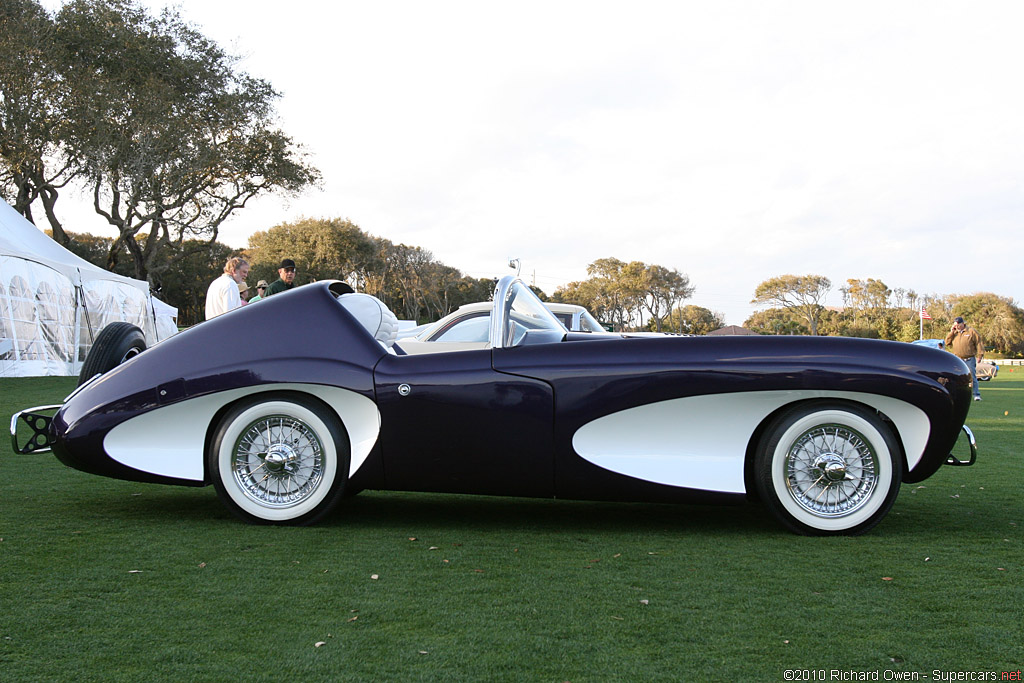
x=400 y=511
x=403 y=512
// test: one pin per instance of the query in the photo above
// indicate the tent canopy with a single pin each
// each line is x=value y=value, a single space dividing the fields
x=53 y=303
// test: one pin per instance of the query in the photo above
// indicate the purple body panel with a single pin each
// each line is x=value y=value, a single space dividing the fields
x=464 y=427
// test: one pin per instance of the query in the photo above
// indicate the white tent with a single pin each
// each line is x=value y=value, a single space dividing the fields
x=53 y=303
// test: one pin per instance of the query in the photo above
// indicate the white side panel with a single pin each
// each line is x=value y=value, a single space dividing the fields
x=700 y=442
x=169 y=441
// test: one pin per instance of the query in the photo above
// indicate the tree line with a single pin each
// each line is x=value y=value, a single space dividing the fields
x=630 y=296
x=408 y=279
x=626 y=296
x=874 y=310
x=414 y=284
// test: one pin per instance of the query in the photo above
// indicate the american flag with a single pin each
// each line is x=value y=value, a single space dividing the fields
x=924 y=314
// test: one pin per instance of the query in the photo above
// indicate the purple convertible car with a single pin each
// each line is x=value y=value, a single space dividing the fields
x=821 y=431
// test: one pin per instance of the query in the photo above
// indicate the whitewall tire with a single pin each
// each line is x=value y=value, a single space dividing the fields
x=828 y=469
x=280 y=459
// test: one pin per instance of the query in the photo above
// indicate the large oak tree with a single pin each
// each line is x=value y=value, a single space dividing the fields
x=168 y=136
x=628 y=295
x=33 y=161
x=801 y=294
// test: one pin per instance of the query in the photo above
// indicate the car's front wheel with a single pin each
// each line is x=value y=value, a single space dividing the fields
x=827 y=469
x=280 y=459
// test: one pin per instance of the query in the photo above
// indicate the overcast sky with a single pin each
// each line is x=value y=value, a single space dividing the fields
x=733 y=141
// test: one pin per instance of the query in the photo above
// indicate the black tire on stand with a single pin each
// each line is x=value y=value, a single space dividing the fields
x=116 y=343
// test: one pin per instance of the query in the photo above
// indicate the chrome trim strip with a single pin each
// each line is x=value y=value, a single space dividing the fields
x=83 y=385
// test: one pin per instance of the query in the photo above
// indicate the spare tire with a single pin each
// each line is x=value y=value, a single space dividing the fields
x=116 y=343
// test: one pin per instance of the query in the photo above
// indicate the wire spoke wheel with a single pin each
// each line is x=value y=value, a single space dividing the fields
x=831 y=470
x=826 y=469
x=280 y=459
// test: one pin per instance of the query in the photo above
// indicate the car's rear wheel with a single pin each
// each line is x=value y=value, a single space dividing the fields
x=116 y=343
x=827 y=469
x=280 y=459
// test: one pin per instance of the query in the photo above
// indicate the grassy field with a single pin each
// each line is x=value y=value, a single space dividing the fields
x=103 y=580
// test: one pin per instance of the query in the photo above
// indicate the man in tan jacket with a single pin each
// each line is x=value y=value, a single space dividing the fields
x=966 y=343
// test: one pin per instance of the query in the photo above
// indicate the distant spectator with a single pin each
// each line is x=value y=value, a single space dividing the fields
x=285 y=280
x=243 y=291
x=966 y=343
x=223 y=296
x=261 y=288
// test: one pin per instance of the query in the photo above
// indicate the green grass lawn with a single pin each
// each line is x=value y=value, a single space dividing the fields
x=103 y=580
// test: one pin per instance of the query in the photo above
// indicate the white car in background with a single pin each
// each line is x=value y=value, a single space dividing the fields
x=576 y=318
x=469 y=327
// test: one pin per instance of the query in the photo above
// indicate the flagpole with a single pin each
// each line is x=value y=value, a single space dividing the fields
x=921 y=318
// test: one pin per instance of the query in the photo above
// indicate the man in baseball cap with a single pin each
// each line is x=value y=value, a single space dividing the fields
x=285 y=280
x=966 y=343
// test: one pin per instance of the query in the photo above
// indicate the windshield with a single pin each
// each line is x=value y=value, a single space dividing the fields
x=528 y=310
x=521 y=313
x=588 y=323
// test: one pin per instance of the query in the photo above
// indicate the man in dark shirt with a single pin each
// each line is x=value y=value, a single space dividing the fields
x=285 y=280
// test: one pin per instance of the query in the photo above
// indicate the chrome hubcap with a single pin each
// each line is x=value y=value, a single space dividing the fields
x=831 y=470
x=831 y=466
x=278 y=461
x=279 y=458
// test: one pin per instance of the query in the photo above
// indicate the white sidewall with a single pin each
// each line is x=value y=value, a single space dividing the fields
x=878 y=446
x=234 y=431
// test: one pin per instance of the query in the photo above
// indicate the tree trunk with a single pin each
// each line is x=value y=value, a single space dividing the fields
x=49 y=196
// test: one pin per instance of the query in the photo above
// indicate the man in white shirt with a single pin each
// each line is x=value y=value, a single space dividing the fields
x=223 y=296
